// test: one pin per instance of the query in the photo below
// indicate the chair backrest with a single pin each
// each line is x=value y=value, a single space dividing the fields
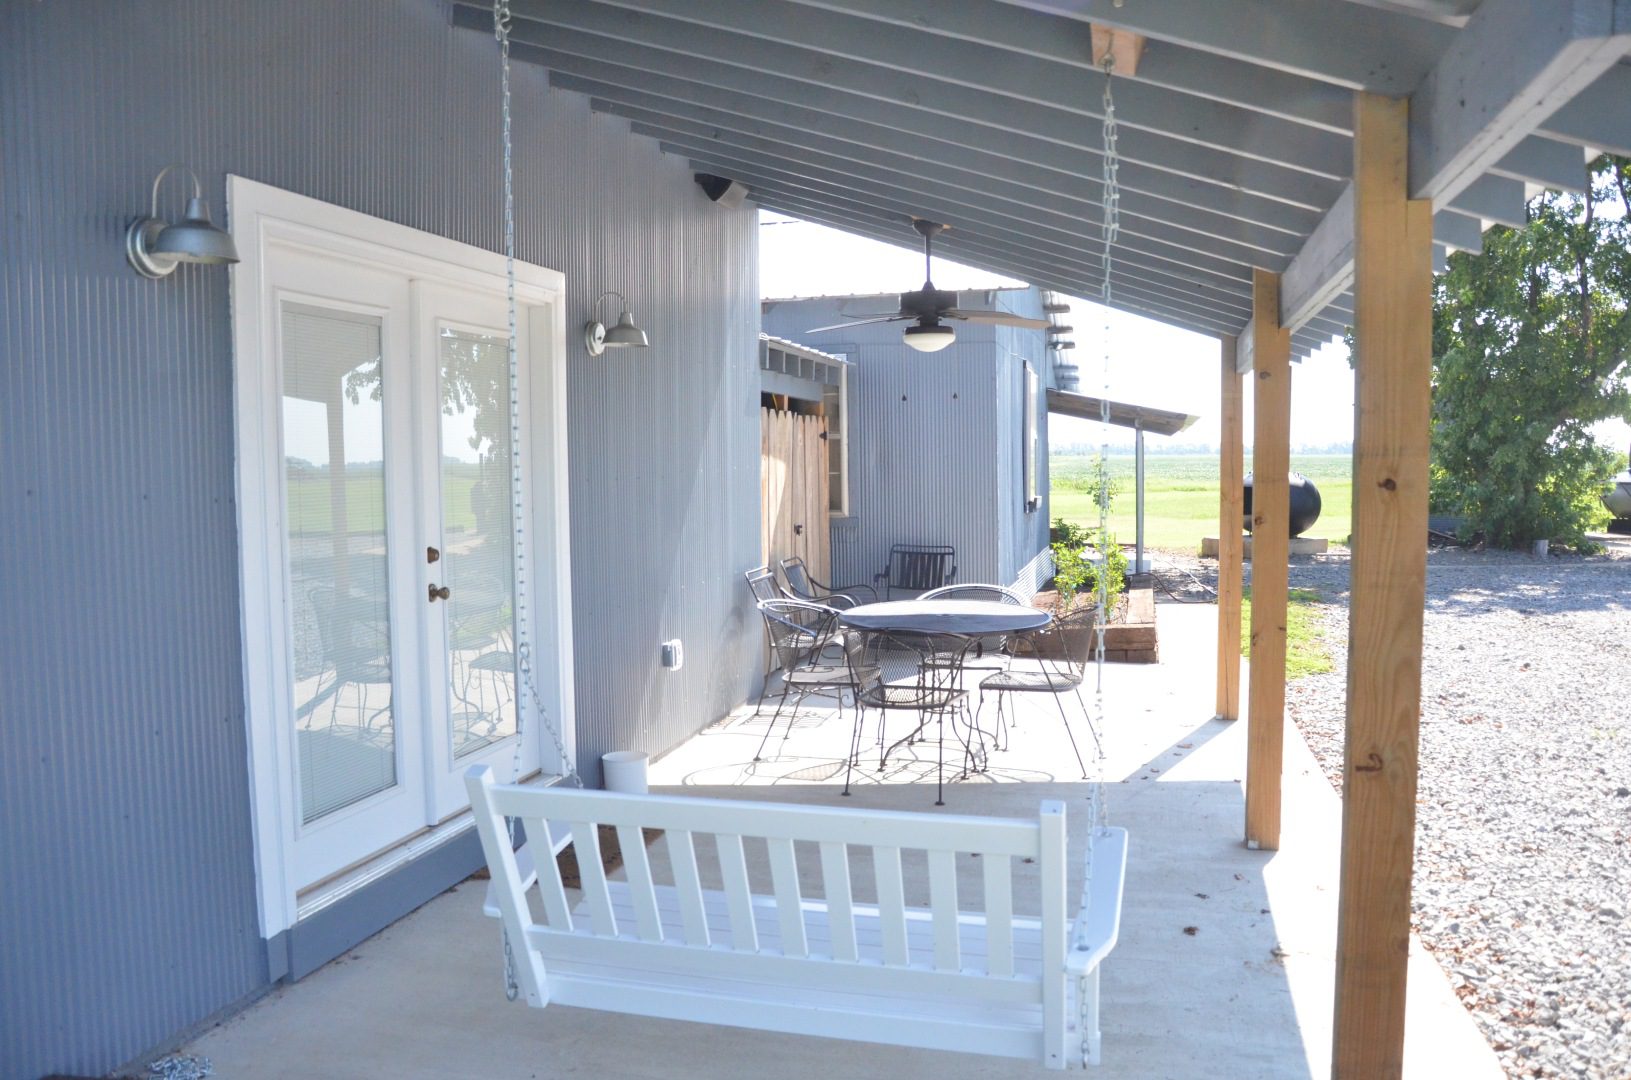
x=762 y=581
x=796 y=629
x=917 y=568
x=1000 y=594
x=798 y=578
x=930 y=662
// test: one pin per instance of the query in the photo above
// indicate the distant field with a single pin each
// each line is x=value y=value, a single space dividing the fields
x=311 y=500
x=1181 y=496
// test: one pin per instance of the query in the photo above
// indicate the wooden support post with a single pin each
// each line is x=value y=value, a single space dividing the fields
x=1393 y=321
x=1230 y=477
x=1271 y=543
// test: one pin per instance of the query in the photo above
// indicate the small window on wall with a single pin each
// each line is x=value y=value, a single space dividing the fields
x=1030 y=445
x=832 y=407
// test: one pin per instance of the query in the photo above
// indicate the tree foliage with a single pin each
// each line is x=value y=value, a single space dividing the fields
x=1532 y=346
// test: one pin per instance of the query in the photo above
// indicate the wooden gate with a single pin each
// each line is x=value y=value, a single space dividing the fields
x=793 y=490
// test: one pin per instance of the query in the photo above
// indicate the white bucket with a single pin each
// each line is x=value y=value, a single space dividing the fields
x=625 y=771
x=1542 y=547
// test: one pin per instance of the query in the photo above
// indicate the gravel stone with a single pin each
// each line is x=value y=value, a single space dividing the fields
x=1523 y=820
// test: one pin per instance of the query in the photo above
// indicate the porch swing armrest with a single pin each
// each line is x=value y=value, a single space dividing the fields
x=1097 y=925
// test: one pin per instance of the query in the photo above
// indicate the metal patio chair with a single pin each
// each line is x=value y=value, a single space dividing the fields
x=798 y=631
x=762 y=583
x=990 y=651
x=356 y=650
x=801 y=586
x=932 y=690
x=1052 y=676
x=918 y=568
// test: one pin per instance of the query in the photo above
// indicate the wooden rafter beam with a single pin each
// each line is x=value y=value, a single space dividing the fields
x=1514 y=65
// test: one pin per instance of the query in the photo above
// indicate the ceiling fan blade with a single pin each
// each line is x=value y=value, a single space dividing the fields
x=998 y=318
x=858 y=322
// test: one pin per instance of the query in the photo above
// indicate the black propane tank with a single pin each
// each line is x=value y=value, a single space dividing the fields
x=1305 y=503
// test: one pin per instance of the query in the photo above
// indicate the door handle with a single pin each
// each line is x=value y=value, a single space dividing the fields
x=439 y=593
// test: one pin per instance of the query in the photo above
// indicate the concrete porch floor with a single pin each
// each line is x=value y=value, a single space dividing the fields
x=1225 y=965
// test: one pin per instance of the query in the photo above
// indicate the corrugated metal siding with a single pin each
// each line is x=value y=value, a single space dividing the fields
x=126 y=873
x=935 y=438
x=1024 y=532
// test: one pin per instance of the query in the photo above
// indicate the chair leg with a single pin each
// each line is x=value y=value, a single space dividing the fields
x=1066 y=721
x=787 y=684
x=854 y=745
x=940 y=765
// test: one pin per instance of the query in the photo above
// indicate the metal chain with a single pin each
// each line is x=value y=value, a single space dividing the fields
x=1111 y=228
x=502 y=19
x=523 y=645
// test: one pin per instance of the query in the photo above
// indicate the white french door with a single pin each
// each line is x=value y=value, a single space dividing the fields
x=376 y=448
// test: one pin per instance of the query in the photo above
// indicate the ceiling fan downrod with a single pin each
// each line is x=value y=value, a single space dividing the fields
x=928 y=230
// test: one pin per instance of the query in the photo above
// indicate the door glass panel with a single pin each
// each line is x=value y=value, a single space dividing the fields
x=334 y=457
x=478 y=534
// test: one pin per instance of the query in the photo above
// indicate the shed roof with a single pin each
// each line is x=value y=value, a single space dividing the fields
x=1236 y=126
x=1122 y=414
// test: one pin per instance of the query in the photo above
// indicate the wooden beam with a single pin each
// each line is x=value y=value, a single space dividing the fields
x=1393 y=319
x=1230 y=478
x=1516 y=63
x=1271 y=542
x=1123 y=46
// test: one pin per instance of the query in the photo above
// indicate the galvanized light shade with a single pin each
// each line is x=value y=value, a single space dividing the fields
x=597 y=339
x=155 y=248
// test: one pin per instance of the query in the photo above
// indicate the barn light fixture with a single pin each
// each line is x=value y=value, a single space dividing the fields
x=625 y=334
x=155 y=247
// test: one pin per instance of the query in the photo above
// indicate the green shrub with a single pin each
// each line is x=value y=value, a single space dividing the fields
x=1075 y=573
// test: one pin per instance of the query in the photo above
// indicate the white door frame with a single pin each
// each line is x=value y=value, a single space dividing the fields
x=262 y=219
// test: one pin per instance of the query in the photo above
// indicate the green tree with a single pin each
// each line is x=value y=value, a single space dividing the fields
x=1531 y=346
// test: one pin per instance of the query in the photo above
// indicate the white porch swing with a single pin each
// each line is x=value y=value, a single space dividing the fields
x=686 y=936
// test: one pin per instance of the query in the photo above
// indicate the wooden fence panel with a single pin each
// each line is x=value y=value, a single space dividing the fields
x=793 y=489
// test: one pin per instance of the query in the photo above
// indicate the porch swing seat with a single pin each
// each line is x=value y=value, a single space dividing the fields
x=938 y=977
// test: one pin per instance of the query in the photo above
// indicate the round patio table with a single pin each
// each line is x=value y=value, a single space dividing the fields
x=971 y=618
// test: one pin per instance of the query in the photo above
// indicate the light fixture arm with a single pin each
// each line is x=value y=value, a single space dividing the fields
x=153 y=204
x=602 y=299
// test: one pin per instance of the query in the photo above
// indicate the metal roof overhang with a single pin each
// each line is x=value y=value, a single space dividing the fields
x=1122 y=414
x=1236 y=128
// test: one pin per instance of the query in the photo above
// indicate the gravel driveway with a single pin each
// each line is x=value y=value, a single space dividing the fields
x=1523 y=841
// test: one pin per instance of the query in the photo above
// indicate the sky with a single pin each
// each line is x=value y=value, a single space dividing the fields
x=1146 y=362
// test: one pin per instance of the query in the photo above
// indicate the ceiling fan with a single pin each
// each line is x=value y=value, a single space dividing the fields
x=929 y=305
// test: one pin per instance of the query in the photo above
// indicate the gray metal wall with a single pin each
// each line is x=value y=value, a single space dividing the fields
x=127 y=908
x=1023 y=533
x=934 y=438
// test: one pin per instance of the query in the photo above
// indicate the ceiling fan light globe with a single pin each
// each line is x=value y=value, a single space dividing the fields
x=929 y=338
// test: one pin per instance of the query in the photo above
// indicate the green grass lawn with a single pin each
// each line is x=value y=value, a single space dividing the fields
x=1181 y=497
x=1306 y=652
x=311 y=500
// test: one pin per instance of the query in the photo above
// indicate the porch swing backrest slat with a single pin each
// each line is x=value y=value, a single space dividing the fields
x=756 y=951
